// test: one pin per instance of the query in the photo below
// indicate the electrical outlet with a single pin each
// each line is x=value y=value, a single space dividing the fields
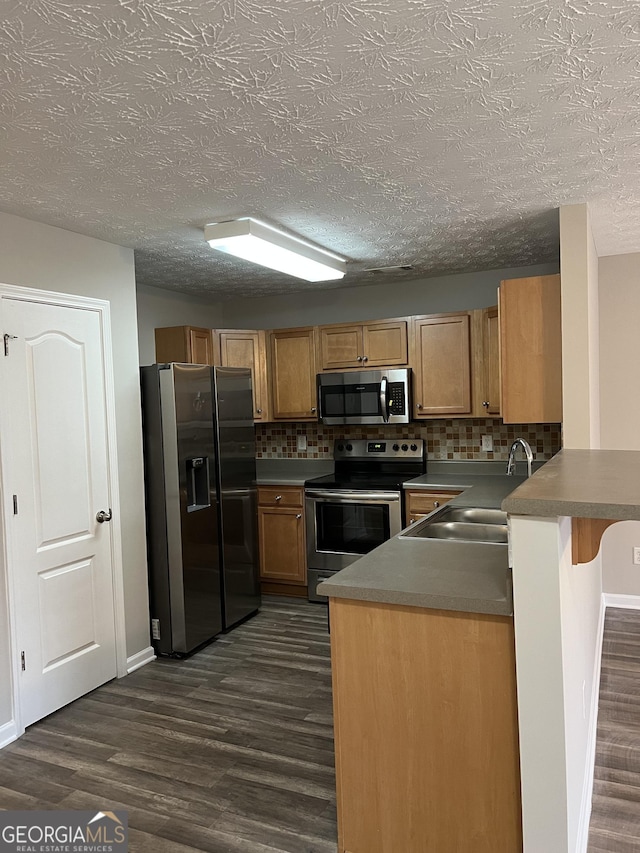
x=636 y=555
x=487 y=442
x=302 y=442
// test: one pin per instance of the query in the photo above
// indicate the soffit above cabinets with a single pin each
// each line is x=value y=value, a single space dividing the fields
x=427 y=132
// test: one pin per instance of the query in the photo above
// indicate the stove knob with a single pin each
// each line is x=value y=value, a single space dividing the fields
x=396 y=447
x=414 y=446
x=341 y=447
x=349 y=446
x=405 y=446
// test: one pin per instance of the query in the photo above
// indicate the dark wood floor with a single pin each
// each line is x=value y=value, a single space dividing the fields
x=615 y=816
x=230 y=751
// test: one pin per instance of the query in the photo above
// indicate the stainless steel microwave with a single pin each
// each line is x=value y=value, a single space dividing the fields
x=365 y=397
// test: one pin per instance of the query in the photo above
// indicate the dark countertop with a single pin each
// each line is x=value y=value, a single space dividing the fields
x=290 y=472
x=443 y=575
x=582 y=484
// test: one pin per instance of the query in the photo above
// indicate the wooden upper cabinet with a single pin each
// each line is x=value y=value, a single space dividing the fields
x=377 y=344
x=247 y=348
x=186 y=344
x=491 y=362
x=485 y=335
x=531 y=349
x=293 y=374
x=441 y=360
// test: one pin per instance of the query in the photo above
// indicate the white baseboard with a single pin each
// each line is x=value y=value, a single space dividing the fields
x=140 y=659
x=612 y=599
x=8 y=733
x=590 y=758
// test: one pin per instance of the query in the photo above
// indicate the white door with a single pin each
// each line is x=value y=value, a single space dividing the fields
x=55 y=463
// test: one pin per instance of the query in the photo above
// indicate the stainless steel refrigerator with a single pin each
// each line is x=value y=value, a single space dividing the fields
x=199 y=451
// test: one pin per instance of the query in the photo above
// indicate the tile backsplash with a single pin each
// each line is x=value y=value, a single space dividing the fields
x=445 y=439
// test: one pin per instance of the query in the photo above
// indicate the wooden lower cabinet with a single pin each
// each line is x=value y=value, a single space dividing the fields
x=420 y=502
x=426 y=733
x=281 y=537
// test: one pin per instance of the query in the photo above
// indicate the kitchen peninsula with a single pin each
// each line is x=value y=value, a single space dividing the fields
x=424 y=685
x=435 y=686
x=557 y=521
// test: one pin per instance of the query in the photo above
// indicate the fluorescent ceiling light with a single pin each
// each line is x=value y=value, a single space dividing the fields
x=261 y=244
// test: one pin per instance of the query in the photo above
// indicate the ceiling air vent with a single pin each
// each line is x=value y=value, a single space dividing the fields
x=397 y=268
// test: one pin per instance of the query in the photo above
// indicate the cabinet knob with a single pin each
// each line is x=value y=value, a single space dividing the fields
x=299 y=515
x=418 y=405
x=485 y=403
x=258 y=411
x=436 y=503
x=313 y=410
x=359 y=358
x=365 y=358
x=278 y=497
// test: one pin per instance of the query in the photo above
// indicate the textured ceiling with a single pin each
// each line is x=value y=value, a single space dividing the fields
x=441 y=133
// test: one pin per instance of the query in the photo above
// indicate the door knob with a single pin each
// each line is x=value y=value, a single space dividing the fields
x=103 y=516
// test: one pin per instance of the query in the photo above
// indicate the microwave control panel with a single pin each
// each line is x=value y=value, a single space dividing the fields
x=396 y=398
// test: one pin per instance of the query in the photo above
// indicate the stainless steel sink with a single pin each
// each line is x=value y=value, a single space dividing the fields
x=462 y=524
x=473 y=514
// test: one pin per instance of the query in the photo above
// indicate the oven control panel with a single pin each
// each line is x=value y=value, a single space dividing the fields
x=362 y=448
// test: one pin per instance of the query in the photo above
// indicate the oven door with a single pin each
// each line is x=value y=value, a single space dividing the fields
x=343 y=525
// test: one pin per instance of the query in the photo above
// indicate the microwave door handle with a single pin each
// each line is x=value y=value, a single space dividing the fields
x=383 y=400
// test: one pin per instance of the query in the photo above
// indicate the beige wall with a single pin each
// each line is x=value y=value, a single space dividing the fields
x=619 y=277
x=158 y=308
x=39 y=256
x=580 y=347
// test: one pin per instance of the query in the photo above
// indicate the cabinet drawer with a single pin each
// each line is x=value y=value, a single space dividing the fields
x=291 y=496
x=421 y=503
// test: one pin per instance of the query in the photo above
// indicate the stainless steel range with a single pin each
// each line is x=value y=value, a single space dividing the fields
x=359 y=506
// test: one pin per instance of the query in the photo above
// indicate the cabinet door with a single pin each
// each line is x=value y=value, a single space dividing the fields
x=246 y=348
x=282 y=548
x=491 y=349
x=185 y=344
x=531 y=349
x=293 y=374
x=340 y=346
x=201 y=346
x=442 y=365
x=385 y=344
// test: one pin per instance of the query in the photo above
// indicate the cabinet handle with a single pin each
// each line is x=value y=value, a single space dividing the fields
x=299 y=515
x=313 y=410
x=436 y=503
x=418 y=405
x=278 y=497
x=359 y=358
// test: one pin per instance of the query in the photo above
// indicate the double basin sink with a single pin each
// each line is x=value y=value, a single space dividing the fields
x=462 y=524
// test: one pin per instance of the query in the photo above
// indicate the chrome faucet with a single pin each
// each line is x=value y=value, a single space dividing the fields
x=511 y=464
